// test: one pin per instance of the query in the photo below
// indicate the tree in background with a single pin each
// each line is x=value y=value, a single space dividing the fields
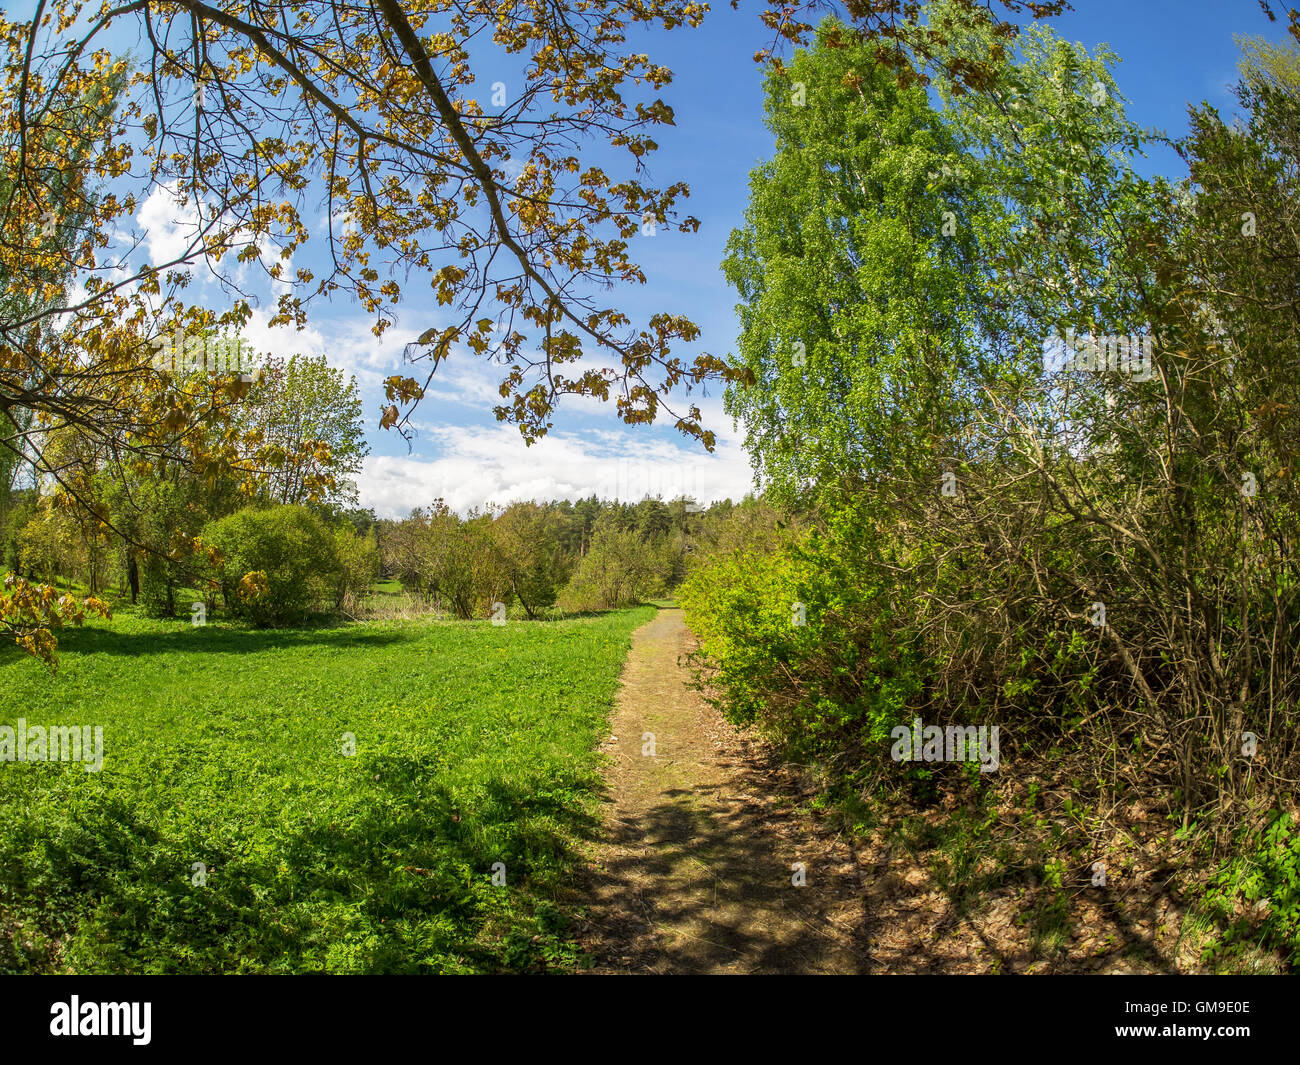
x=42 y=241
x=527 y=538
x=856 y=312
x=161 y=521
x=48 y=545
x=619 y=568
x=451 y=561
x=306 y=418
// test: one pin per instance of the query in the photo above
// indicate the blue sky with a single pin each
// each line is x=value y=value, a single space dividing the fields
x=1172 y=52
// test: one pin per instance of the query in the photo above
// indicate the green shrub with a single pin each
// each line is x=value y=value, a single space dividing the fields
x=358 y=560
x=1256 y=895
x=619 y=568
x=451 y=562
x=280 y=564
x=526 y=537
x=801 y=638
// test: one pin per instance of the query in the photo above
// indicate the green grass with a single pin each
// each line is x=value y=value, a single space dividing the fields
x=475 y=744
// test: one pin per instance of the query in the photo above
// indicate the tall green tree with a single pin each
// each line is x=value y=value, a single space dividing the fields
x=307 y=417
x=856 y=303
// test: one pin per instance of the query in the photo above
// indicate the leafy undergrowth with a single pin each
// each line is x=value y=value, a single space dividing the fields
x=1253 y=903
x=1046 y=871
x=230 y=829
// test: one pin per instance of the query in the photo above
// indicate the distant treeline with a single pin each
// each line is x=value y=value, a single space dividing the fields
x=592 y=554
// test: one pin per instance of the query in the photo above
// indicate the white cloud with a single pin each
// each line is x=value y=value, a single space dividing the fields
x=174 y=227
x=493 y=465
x=471 y=380
x=170 y=226
x=463 y=379
x=347 y=344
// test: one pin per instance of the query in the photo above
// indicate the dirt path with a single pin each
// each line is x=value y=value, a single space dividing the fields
x=694 y=871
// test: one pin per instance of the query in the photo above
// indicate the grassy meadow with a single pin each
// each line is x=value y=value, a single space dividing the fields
x=228 y=746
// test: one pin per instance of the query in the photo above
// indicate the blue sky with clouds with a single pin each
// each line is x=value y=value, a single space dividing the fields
x=1172 y=52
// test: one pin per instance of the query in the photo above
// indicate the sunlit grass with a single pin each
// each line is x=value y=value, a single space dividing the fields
x=475 y=745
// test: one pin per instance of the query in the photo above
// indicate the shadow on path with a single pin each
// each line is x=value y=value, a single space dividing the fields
x=695 y=870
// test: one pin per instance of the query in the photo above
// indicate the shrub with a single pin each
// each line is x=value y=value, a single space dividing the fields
x=280 y=564
x=801 y=638
x=526 y=537
x=452 y=562
x=358 y=560
x=618 y=569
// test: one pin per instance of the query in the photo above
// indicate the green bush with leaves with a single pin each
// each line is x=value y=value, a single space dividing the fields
x=358 y=562
x=620 y=568
x=526 y=538
x=47 y=542
x=801 y=636
x=280 y=565
x=454 y=563
x=1256 y=896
